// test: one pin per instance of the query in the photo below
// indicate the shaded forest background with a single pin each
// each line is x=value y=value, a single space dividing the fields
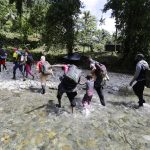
x=58 y=27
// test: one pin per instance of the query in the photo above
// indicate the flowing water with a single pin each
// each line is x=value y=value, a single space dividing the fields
x=30 y=121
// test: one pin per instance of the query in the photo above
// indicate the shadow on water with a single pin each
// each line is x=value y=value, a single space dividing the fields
x=37 y=108
x=50 y=108
x=126 y=104
x=34 y=89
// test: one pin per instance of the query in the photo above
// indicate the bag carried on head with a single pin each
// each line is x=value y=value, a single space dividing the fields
x=148 y=78
x=46 y=68
x=101 y=68
x=73 y=73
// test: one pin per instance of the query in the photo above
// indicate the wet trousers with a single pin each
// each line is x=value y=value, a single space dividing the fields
x=99 y=91
x=43 y=79
x=4 y=67
x=138 y=89
x=28 y=70
x=87 y=98
x=16 y=66
x=70 y=94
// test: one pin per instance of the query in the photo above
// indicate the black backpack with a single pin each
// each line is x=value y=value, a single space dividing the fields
x=147 y=78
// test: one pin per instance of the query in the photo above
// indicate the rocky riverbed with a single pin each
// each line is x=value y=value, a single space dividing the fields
x=30 y=121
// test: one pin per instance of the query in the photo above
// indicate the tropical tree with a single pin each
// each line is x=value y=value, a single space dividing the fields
x=37 y=16
x=86 y=27
x=19 y=5
x=7 y=13
x=133 y=23
x=102 y=37
x=31 y=15
x=60 y=23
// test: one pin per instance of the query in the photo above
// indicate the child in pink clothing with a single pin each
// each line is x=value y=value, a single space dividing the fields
x=89 y=90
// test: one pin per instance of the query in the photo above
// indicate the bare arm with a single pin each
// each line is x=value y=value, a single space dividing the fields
x=58 y=65
x=136 y=74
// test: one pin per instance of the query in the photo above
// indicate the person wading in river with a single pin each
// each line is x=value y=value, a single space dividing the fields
x=89 y=90
x=99 y=72
x=68 y=85
x=44 y=68
x=18 y=59
x=140 y=77
x=3 y=56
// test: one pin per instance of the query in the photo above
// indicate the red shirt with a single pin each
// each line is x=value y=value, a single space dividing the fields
x=39 y=65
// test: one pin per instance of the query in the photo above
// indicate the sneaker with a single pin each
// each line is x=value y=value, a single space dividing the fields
x=57 y=105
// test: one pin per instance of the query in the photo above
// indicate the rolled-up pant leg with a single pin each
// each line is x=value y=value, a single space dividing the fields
x=43 y=79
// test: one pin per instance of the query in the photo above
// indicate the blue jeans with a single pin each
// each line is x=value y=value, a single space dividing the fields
x=16 y=66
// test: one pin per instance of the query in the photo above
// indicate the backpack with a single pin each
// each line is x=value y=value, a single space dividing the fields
x=73 y=74
x=3 y=54
x=30 y=59
x=148 y=78
x=3 y=57
x=101 y=68
x=46 y=68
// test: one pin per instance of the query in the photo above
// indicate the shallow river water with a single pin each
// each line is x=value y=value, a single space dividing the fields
x=30 y=121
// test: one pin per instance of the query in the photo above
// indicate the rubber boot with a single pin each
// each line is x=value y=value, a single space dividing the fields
x=43 y=89
x=59 y=103
x=4 y=67
x=72 y=109
x=14 y=76
x=32 y=77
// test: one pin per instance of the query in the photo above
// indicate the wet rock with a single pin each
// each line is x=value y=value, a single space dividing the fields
x=115 y=88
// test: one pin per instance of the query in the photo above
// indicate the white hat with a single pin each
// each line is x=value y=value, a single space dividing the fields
x=43 y=58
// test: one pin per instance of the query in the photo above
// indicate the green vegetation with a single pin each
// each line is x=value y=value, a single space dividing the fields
x=58 y=27
x=133 y=24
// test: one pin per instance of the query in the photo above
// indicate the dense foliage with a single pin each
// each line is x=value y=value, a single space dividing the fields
x=56 y=23
x=60 y=23
x=133 y=23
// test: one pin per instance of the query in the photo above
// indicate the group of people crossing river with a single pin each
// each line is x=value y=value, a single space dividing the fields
x=96 y=79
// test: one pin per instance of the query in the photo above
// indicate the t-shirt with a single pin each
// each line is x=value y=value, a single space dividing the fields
x=141 y=67
x=15 y=55
x=89 y=87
